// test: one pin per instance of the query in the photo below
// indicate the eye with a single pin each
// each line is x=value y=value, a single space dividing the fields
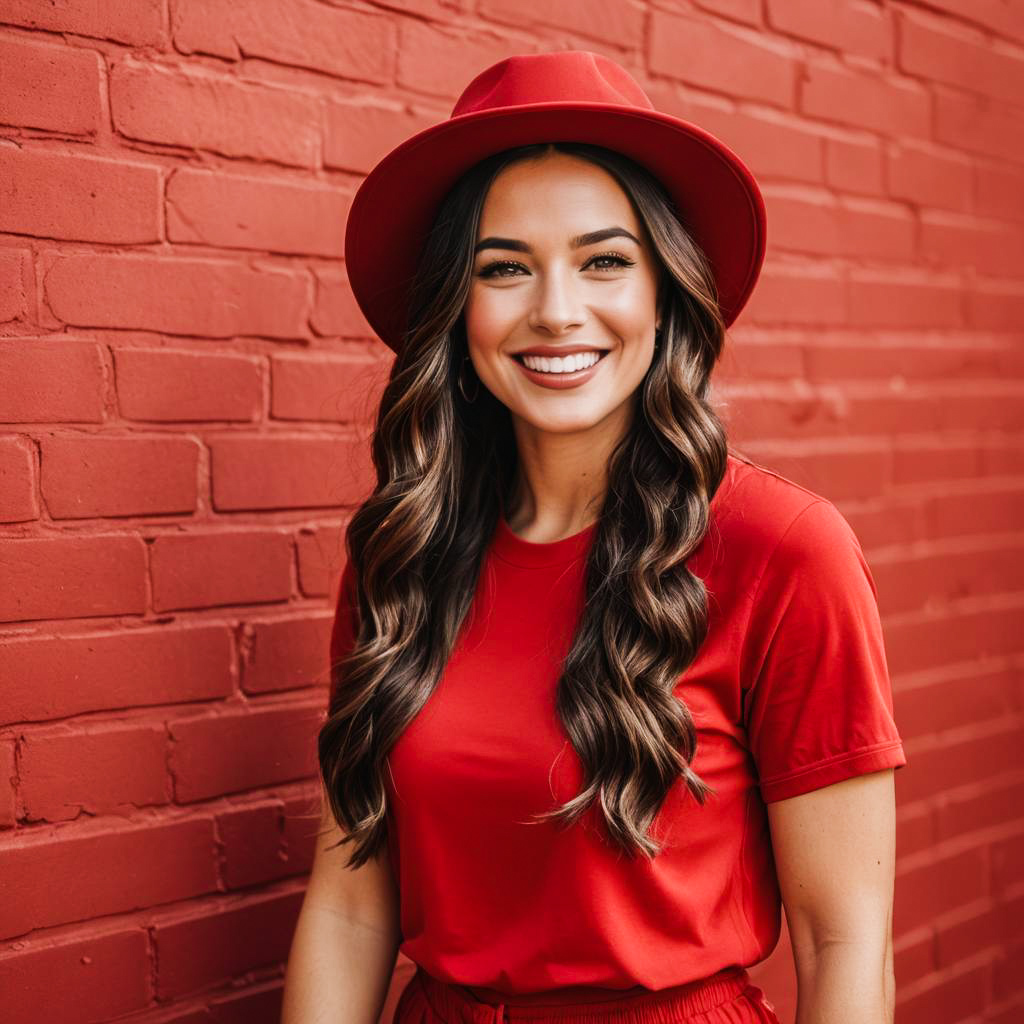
x=618 y=260
x=491 y=270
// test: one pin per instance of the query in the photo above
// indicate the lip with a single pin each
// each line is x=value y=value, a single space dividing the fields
x=553 y=351
x=558 y=381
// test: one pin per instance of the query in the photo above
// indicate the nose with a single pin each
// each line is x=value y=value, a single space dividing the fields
x=558 y=304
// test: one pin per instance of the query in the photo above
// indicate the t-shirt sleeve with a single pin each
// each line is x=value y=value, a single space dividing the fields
x=345 y=627
x=819 y=706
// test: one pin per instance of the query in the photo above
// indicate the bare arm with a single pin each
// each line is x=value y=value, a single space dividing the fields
x=346 y=938
x=835 y=857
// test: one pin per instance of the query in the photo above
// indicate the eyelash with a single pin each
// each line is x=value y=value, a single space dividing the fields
x=622 y=261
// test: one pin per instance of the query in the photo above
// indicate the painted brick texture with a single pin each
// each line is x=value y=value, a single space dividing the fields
x=187 y=390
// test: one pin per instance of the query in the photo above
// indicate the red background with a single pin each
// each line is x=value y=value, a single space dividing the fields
x=186 y=384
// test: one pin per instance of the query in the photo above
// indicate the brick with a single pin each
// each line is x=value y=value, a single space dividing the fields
x=998 y=15
x=949 y=998
x=914 y=831
x=855 y=167
x=138 y=22
x=247 y=1005
x=928 y=178
x=985 y=756
x=200 y=110
x=884 y=300
x=801 y=225
x=999 y=191
x=1007 y=863
x=951 y=240
x=962 y=877
x=53 y=677
x=256 y=213
x=72 y=577
x=748 y=361
x=50 y=382
x=237 y=750
x=17 y=481
x=212 y=569
x=162 y=386
x=995 y=306
x=915 y=958
x=441 y=62
x=918 y=582
x=890 y=106
x=321 y=560
x=160 y=863
x=979 y=126
x=962 y=814
x=252 y=473
x=771 y=148
x=217 y=945
x=748 y=11
x=913 y=646
x=253 y=845
x=995 y=926
x=99 y=785
x=323 y=388
x=89 y=475
x=335 y=310
x=798 y=295
x=609 y=20
x=862 y=29
x=352 y=44
x=205 y=298
x=8 y=780
x=1004 y=981
x=928 y=47
x=357 y=134
x=55 y=88
x=14 y=271
x=301 y=826
x=875 y=230
x=54 y=195
x=102 y=976
x=287 y=653
x=702 y=53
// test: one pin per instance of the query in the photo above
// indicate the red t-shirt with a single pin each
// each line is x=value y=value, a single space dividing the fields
x=789 y=692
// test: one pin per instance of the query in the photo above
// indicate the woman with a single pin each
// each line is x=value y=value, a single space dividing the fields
x=605 y=693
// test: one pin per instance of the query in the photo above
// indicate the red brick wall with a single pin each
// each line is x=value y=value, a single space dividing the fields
x=186 y=383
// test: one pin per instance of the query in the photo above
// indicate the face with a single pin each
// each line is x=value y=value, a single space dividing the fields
x=539 y=281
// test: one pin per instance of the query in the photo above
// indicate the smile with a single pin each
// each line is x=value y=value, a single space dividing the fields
x=549 y=373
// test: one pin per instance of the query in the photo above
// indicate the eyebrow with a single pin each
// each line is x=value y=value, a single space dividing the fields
x=577 y=242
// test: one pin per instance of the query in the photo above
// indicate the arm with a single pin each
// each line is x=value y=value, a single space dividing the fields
x=835 y=858
x=346 y=939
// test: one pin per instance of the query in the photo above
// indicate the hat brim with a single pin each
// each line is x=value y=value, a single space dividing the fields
x=715 y=194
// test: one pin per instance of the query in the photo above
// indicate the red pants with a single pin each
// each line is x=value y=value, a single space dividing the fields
x=728 y=997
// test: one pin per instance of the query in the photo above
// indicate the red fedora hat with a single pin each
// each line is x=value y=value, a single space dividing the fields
x=568 y=95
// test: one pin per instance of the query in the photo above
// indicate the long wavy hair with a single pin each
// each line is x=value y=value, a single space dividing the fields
x=445 y=468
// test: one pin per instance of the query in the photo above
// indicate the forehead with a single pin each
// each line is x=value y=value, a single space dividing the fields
x=556 y=196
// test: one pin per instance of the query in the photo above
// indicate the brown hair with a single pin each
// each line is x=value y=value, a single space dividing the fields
x=444 y=469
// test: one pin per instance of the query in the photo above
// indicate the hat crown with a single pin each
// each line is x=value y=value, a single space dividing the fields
x=577 y=76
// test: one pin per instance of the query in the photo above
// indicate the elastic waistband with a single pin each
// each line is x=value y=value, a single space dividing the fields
x=455 y=1003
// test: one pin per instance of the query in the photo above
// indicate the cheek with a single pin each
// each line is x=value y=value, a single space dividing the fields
x=487 y=313
x=631 y=310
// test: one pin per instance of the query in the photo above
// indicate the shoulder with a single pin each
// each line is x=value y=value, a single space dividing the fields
x=768 y=520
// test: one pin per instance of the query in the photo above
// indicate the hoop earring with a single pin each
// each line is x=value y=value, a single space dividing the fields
x=476 y=394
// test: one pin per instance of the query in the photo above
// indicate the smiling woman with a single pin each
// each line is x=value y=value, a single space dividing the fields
x=567 y=293
x=582 y=646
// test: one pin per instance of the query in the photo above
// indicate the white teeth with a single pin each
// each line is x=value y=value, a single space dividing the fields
x=562 y=364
